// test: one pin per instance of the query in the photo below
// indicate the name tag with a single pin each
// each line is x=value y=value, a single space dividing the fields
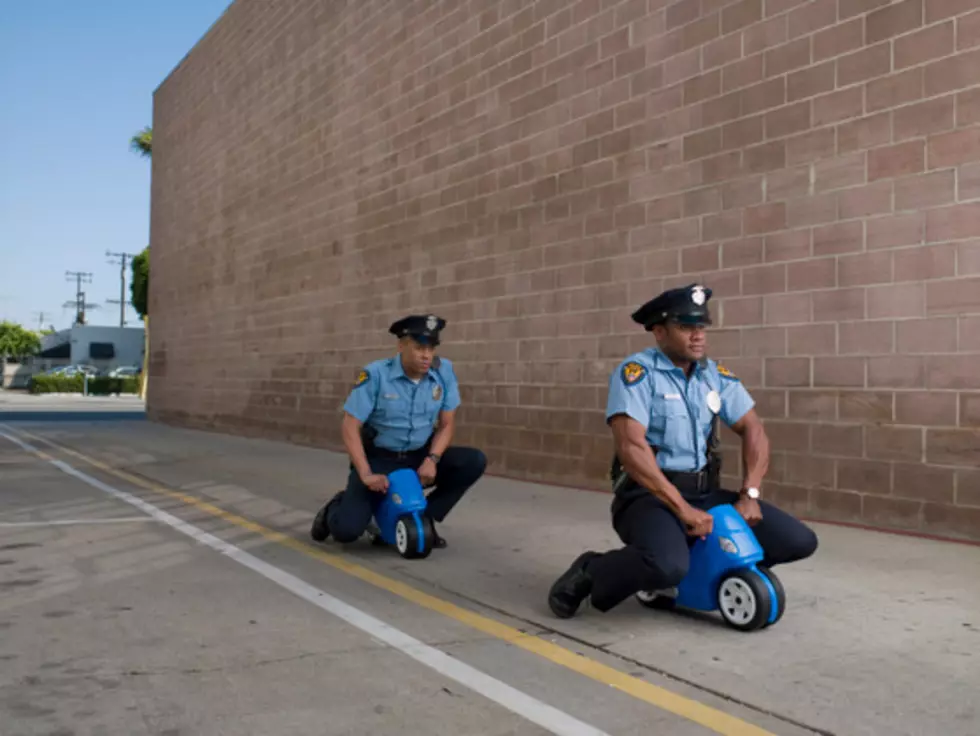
x=676 y=397
x=391 y=396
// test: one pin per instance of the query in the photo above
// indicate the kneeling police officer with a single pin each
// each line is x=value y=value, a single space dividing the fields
x=663 y=408
x=401 y=414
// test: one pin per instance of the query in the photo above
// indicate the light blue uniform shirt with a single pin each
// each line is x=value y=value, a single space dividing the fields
x=652 y=390
x=402 y=411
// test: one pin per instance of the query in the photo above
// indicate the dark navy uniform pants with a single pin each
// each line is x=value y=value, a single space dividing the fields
x=457 y=470
x=657 y=551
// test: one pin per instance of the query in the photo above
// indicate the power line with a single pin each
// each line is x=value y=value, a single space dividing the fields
x=80 y=305
x=121 y=301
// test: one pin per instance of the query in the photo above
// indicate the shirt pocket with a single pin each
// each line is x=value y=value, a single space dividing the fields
x=665 y=414
x=393 y=409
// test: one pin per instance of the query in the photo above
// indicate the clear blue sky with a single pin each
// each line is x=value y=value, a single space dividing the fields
x=76 y=82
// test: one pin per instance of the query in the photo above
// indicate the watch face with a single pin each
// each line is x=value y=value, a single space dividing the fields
x=753 y=493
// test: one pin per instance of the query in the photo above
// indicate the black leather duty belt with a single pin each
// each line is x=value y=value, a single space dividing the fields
x=690 y=484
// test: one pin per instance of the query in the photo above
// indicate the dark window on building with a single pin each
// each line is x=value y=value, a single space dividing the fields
x=101 y=351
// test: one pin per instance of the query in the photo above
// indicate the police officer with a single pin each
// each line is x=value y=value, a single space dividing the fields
x=663 y=408
x=401 y=414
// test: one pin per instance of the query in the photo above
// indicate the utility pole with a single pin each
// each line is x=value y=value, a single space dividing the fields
x=123 y=257
x=79 y=304
x=40 y=321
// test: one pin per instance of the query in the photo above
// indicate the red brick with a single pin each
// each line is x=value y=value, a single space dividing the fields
x=811 y=146
x=894 y=443
x=742 y=193
x=926 y=336
x=817 y=273
x=786 y=309
x=838 y=440
x=897 y=371
x=844 y=171
x=785 y=58
x=839 y=372
x=953 y=447
x=901 y=159
x=968 y=182
x=788 y=183
x=788 y=120
x=839 y=304
x=865 y=338
x=942 y=9
x=840 y=39
x=925 y=408
x=869 y=476
x=924 y=482
x=787 y=246
x=895 y=230
x=843 y=237
x=701 y=144
x=851 y=8
x=813 y=405
x=893 y=20
x=959 y=222
x=892 y=513
x=763 y=96
x=953 y=297
x=764 y=35
x=860 y=66
x=700 y=87
x=864 y=133
x=739 y=253
x=968 y=488
x=722 y=226
x=812 y=210
x=924 y=118
x=952 y=372
x=873 y=199
x=969 y=412
x=721 y=52
x=778 y=7
x=767 y=157
x=952 y=73
x=951 y=149
x=740 y=312
x=925 y=45
x=926 y=190
x=811 y=17
x=741 y=14
x=892 y=91
x=950 y=520
x=865 y=268
x=837 y=106
x=866 y=406
x=682 y=12
x=968 y=107
x=812 y=340
x=763 y=341
x=896 y=301
x=813 y=80
x=930 y=262
x=968 y=31
x=764 y=218
x=787 y=372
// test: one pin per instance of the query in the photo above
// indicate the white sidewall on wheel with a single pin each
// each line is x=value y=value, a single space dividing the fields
x=401 y=536
x=737 y=601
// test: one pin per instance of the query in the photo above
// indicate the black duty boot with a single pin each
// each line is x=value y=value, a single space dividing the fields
x=573 y=587
x=320 y=529
x=437 y=541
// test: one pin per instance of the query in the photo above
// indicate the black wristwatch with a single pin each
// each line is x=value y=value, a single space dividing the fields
x=435 y=457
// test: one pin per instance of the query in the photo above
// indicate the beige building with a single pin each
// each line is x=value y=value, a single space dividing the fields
x=534 y=170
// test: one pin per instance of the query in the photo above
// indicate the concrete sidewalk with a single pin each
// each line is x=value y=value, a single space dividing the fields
x=882 y=632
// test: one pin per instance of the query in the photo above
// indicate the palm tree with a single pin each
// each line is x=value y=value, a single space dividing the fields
x=142 y=142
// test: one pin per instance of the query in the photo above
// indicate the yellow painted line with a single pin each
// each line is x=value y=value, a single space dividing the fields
x=704 y=715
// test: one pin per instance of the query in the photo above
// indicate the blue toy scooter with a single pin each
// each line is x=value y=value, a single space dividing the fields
x=400 y=518
x=725 y=576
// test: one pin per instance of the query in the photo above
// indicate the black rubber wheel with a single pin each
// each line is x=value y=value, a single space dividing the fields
x=743 y=600
x=780 y=592
x=650 y=599
x=407 y=537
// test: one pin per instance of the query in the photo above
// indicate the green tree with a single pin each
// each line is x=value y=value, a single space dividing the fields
x=142 y=142
x=140 y=282
x=17 y=342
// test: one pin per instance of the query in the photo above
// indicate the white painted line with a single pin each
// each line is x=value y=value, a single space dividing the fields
x=516 y=701
x=70 y=522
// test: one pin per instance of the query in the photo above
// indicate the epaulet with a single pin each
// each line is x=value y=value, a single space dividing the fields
x=725 y=373
x=364 y=373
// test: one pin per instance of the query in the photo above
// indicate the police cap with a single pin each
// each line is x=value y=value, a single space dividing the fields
x=688 y=304
x=423 y=328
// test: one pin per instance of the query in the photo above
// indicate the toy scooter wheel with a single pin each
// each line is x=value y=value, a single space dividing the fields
x=780 y=593
x=407 y=538
x=656 y=600
x=744 y=601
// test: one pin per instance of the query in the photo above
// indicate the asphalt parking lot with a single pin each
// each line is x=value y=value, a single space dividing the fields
x=161 y=581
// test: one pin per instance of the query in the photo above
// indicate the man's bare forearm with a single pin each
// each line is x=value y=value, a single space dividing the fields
x=755 y=455
x=442 y=438
x=355 y=447
x=638 y=460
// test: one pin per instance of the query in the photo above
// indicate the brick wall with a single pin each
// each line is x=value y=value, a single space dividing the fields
x=534 y=170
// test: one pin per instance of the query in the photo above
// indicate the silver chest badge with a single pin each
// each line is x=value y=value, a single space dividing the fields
x=714 y=402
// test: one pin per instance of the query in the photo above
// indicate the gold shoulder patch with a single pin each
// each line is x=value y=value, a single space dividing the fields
x=723 y=371
x=633 y=373
x=362 y=377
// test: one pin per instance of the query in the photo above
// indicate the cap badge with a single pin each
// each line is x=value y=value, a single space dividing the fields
x=697 y=295
x=431 y=323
